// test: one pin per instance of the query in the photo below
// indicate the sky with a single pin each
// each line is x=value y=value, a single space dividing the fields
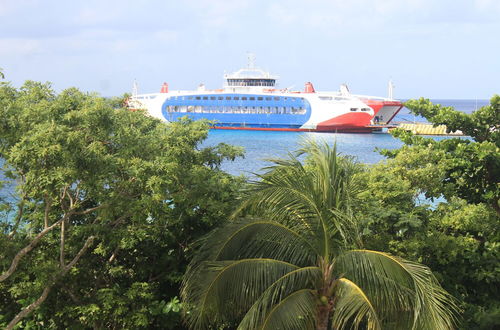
x=444 y=49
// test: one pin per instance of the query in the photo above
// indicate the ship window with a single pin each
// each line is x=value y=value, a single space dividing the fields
x=252 y=98
x=212 y=97
x=190 y=97
x=260 y=98
x=365 y=109
x=220 y=97
x=228 y=97
x=244 y=98
x=325 y=98
x=268 y=98
x=276 y=98
x=236 y=98
x=205 y=97
x=354 y=109
x=198 y=98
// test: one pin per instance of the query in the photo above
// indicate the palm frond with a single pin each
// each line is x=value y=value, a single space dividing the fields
x=285 y=203
x=302 y=278
x=352 y=307
x=287 y=199
x=314 y=198
x=336 y=174
x=255 y=238
x=296 y=312
x=222 y=291
x=403 y=291
x=347 y=227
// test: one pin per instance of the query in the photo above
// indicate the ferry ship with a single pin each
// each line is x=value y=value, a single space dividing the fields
x=250 y=100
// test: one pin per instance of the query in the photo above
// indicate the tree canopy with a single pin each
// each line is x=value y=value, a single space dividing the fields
x=465 y=167
x=103 y=209
x=456 y=233
x=106 y=206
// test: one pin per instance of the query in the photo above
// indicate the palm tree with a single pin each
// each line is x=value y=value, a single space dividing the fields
x=298 y=265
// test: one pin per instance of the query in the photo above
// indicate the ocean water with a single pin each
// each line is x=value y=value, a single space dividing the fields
x=262 y=145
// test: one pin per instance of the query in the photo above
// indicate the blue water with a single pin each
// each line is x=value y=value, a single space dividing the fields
x=262 y=145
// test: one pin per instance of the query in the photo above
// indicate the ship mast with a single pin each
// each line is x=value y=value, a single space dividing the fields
x=251 y=60
x=390 y=90
x=135 y=88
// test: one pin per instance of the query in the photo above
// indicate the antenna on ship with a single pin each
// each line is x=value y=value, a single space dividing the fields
x=251 y=60
x=344 y=90
x=135 y=88
x=390 y=90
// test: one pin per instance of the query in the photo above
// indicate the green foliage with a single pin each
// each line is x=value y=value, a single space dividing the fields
x=458 y=166
x=112 y=202
x=387 y=208
x=458 y=237
x=297 y=264
x=457 y=240
x=481 y=125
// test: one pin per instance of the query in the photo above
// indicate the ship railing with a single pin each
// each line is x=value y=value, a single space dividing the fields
x=373 y=97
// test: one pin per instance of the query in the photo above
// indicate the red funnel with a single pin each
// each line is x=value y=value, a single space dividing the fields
x=309 y=88
x=164 y=88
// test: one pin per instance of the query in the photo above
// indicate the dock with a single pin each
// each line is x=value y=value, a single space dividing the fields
x=427 y=129
x=415 y=128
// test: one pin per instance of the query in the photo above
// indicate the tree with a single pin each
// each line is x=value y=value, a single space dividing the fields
x=457 y=236
x=468 y=168
x=108 y=204
x=299 y=266
x=458 y=240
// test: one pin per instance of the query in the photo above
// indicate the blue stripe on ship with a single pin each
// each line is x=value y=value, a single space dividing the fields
x=240 y=110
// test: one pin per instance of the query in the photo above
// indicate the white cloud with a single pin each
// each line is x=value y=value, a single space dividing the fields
x=389 y=7
x=487 y=5
x=219 y=13
x=338 y=14
x=14 y=47
x=166 y=36
x=282 y=14
x=8 y=6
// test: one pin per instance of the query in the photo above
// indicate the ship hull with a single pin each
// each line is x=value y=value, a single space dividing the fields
x=309 y=112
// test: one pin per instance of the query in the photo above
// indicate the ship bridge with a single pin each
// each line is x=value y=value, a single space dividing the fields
x=250 y=79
